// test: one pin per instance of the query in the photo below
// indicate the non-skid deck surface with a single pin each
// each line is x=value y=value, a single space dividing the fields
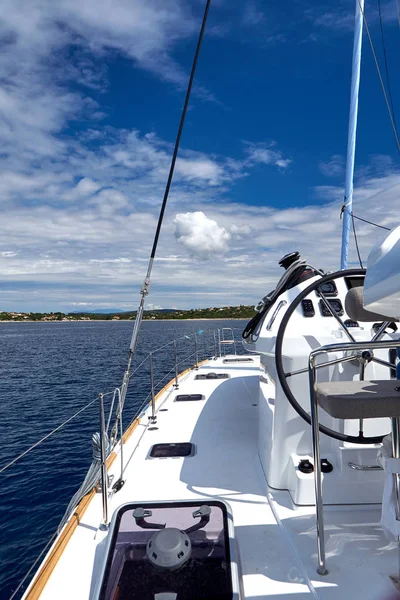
x=276 y=540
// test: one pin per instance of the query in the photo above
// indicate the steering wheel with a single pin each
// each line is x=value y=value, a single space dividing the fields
x=283 y=376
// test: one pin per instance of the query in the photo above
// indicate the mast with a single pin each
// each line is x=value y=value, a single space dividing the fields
x=351 y=139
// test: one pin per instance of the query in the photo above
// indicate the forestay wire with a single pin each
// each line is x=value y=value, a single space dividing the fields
x=146 y=284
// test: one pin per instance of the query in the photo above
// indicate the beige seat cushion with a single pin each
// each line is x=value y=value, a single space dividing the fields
x=354 y=305
x=360 y=399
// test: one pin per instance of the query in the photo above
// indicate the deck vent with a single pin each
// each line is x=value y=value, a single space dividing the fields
x=189 y=397
x=238 y=360
x=172 y=450
x=212 y=376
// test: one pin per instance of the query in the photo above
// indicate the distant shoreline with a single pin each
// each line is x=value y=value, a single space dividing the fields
x=127 y=320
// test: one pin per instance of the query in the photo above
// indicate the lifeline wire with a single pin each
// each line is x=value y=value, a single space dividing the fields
x=15 y=592
x=17 y=458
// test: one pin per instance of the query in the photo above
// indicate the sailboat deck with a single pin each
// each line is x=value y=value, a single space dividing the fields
x=276 y=540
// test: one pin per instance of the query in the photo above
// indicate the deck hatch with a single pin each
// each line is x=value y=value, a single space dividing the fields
x=238 y=360
x=137 y=567
x=182 y=449
x=212 y=376
x=188 y=397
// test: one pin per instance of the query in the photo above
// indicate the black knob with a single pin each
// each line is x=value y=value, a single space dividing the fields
x=288 y=259
x=305 y=466
x=326 y=466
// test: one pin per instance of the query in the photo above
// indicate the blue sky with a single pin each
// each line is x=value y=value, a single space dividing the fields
x=89 y=104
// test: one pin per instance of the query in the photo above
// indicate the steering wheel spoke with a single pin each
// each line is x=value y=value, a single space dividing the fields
x=328 y=363
x=336 y=316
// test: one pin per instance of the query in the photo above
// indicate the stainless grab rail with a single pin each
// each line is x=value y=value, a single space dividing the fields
x=312 y=371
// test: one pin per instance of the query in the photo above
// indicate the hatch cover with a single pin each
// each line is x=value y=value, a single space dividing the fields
x=212 y=376
x=189 y=397
x=181 y=449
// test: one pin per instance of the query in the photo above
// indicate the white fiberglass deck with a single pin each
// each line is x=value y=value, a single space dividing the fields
x=276 y=540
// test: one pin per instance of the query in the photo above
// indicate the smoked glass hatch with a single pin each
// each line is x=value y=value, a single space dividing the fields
x=189 y=397
x=212 y=376
x=175 y=550
x=238 y=360
x=172 y=450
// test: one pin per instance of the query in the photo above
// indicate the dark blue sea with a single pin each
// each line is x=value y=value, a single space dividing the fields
x=48 y=371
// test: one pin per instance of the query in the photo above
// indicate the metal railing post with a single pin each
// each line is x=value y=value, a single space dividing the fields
x=153 y=408
x=104 y=477
x=319 y=505
x=176 y=386
x=215 y=346
x=219 y=342
x=121 y=432
x=196 y=366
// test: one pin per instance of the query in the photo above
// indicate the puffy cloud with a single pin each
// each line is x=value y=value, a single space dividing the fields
x=201 y=168
x=334 y=167
x=202 y=237
x=266 y=153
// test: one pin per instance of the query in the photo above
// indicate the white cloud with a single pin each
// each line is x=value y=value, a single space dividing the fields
x=334 y=167
x=202 y=237
x=78 y=213
x=341 y=18
x=86 y=187
x=200 y=169
x=252 y=15
x=240 y=230
x=266 y=154
x=82 y=303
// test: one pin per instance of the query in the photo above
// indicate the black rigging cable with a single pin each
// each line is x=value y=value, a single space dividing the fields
x=353 y=216
x=178 y=137
x=356 y=241
x=386 y=62
x=380 y=78
x=146 y=285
